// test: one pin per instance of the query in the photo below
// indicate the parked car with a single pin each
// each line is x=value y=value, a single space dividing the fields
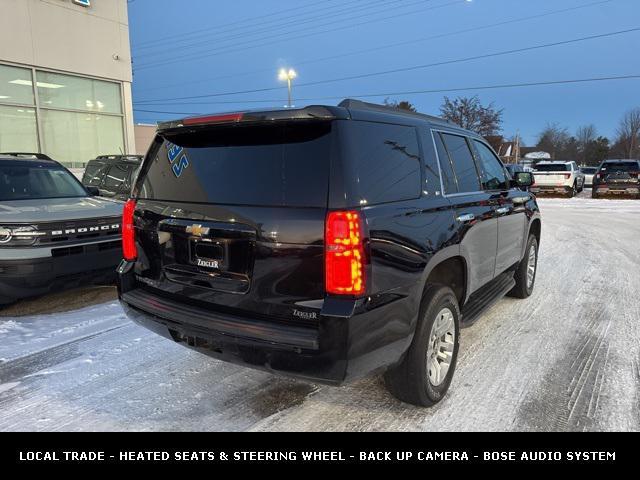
x=588 y=173
x=326 y=242
x=112 y=174
x=617 y=177
x=53 y=233
x=558 y=177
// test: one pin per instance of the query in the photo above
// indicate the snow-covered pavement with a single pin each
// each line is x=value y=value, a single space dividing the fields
x=566 y=359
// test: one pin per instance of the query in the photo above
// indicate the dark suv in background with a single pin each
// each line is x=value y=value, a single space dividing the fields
x=112 y=175
x=326 y=242
x=616 y=178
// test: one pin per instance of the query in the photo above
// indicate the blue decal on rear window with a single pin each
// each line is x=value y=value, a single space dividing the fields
x=173 y=152
x=180 y=166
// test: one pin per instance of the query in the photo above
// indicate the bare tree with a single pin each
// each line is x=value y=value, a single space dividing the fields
x=469 y=113
x=553 y=140
x=628 y=133
x=585 y=136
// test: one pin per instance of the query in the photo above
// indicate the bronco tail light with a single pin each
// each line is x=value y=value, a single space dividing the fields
x=344 y=253
x=129 y=249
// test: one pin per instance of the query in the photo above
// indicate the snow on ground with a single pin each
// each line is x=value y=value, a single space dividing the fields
x=566 y=359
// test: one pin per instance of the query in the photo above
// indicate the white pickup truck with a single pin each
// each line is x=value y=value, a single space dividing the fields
x=558 y=177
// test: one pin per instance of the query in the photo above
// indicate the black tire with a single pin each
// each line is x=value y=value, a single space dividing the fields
x=594 y=194
x=574 y=191
x=409 y=381
x=523 y=289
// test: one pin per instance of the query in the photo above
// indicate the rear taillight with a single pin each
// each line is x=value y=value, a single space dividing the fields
x=129 y=250
x=344 y=253
x=567 y=176
x=634 y=174
x=224 y=118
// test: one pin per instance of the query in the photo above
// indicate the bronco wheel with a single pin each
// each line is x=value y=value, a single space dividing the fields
x=425 y=374
x=525 y=275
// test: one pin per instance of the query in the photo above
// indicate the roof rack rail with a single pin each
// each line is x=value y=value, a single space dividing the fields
x=132 y=157
x=37 y=156
x=360 y=105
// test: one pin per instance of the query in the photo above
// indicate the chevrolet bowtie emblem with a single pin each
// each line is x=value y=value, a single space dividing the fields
x=197 y=230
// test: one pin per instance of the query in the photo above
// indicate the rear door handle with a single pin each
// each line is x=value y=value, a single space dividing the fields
x=466 y=217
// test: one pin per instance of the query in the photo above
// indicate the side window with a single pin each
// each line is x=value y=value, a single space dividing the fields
x=448 y=177
x=385 y=162
x=431 y=186
x=463 y=163
x=126 y=186
x=116 y=176
x=493 y=175
x=94 y=174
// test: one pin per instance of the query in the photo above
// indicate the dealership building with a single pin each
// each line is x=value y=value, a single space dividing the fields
x=65 y=79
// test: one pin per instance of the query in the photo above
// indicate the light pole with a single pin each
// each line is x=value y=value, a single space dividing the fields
x=287 y=75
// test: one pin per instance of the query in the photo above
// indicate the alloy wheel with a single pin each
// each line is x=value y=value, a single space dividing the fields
x=441 y=344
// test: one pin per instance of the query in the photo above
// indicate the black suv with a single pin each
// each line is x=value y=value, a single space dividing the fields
x=617 y=177
x=326 y=242
x=112 y=174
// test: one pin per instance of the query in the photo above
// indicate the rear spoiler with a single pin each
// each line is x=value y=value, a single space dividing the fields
x=291 y=114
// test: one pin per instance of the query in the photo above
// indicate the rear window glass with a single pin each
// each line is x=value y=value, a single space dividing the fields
x=554 y=167
x=382 y=162
x=620 y=167
x=588 y=170
x=265 y=165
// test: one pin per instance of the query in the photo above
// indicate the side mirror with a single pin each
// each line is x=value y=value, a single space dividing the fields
x=524 y=179
x=93 y=191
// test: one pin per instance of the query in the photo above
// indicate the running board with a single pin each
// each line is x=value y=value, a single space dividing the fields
x=486 y=297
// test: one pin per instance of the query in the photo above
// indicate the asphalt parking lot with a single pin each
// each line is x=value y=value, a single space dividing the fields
x=568 y=358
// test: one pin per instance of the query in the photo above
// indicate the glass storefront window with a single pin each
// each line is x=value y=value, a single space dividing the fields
x=76 y=93
x=16 y=85
x=75 y=138
x=78 y=118
x=18 y=130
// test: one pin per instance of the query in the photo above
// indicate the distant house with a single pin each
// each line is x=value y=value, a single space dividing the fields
x=509 y=152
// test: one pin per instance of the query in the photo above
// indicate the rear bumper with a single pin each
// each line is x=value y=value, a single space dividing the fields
x=37 y=276
x=333 y=350
x=617 y=189
x=542 y=189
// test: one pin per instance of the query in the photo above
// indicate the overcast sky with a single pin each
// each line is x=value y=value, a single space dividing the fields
x=204 y=47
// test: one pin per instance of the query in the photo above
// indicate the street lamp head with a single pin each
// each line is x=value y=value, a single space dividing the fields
x=285 y=74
